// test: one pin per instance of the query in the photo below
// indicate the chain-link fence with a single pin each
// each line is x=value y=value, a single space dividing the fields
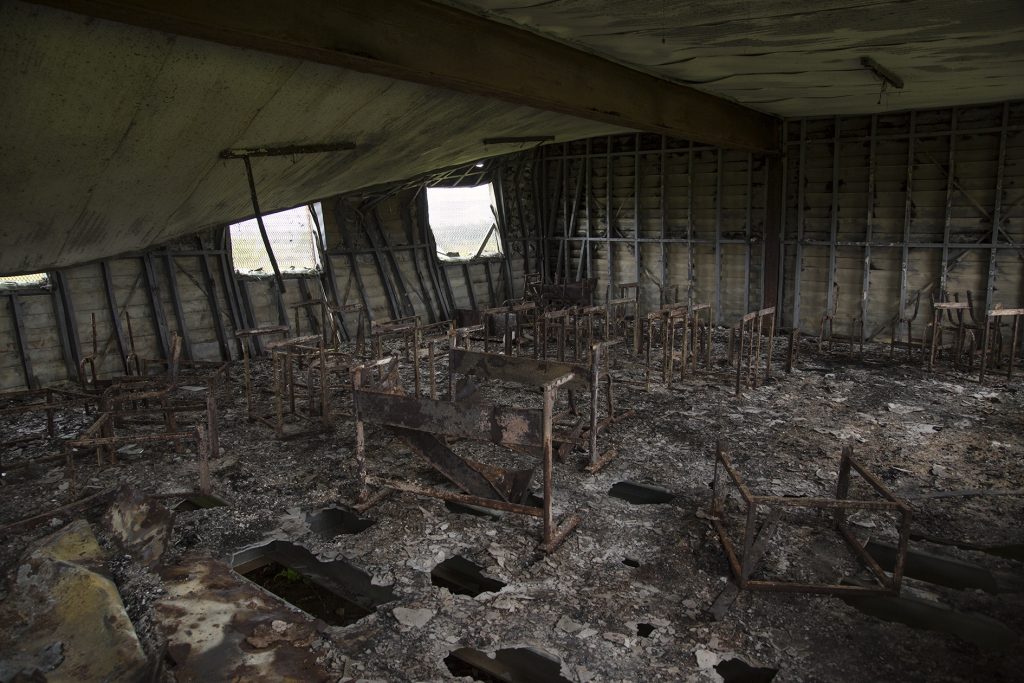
x=20 y=281
x=291 y=236
x=462 y=220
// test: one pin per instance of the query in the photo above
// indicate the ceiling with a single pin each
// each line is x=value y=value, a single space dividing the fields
x=795 y=57
x=111 y=134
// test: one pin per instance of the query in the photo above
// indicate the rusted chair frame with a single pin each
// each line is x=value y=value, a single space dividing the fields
x=742 y=563
x=526 y=313
x=489 y=318
x=323 y=321
x=306 y=354
x=362 y=325
x=696 y=340
x=749 y=348
x=567 y=294
x=125 y=395
x=532 y=283
x=464 y=335
x=428 y=336
x=964 y=333
x=623 y=316
x=898 y=322
x=330 y=322
x=131 y=398
x=995 y=316
x=100 y=436
x=245 y=336
x=131 y=361
x=654 y=319
x=558 y=319
x=404 y=327
x=622 y=302
x=828 y=320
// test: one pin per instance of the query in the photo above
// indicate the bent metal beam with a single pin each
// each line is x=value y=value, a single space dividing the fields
x=423 y=42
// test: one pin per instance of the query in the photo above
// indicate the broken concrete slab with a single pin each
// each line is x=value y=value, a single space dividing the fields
x=221 y=627
x=73 y=543
x=64 y=619
x=141 y=525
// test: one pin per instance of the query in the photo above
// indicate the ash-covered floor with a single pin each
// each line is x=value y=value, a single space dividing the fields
x=627 y=597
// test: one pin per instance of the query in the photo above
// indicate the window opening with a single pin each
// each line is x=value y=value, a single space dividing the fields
x=462 y=220
x=292 y=237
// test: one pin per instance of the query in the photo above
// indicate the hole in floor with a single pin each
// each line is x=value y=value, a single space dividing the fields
x=199 y=501
x=644 y=630
x=926 y=566
x=737 y=671
x=511 y=665
x=331 y=522
x=1013 y=551
x=461 y=576
x=337 y=592
x=985 y=632
x=630 y=562
x=640 y=494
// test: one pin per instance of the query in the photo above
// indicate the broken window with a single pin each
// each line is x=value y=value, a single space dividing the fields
x=23 y=281
x=292 y=237
x=463 y=222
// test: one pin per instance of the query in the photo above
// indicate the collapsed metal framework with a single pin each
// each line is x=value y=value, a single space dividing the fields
x=420 y=422
x=743 y=563
x=590 y=379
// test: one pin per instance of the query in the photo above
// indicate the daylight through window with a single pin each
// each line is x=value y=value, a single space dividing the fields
x=291 y=237
x=23 y=281
x=462 y=220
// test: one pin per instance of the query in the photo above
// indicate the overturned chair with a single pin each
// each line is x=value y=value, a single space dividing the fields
x=423 y=423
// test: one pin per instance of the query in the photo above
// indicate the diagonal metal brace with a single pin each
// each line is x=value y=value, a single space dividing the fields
x=476 y=479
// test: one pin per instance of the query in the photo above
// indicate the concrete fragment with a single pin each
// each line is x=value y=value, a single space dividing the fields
x=615 y=637
x=414 y=617
x=64 y=619
x=141 y=525
x=568 y=625
x=220 y=627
